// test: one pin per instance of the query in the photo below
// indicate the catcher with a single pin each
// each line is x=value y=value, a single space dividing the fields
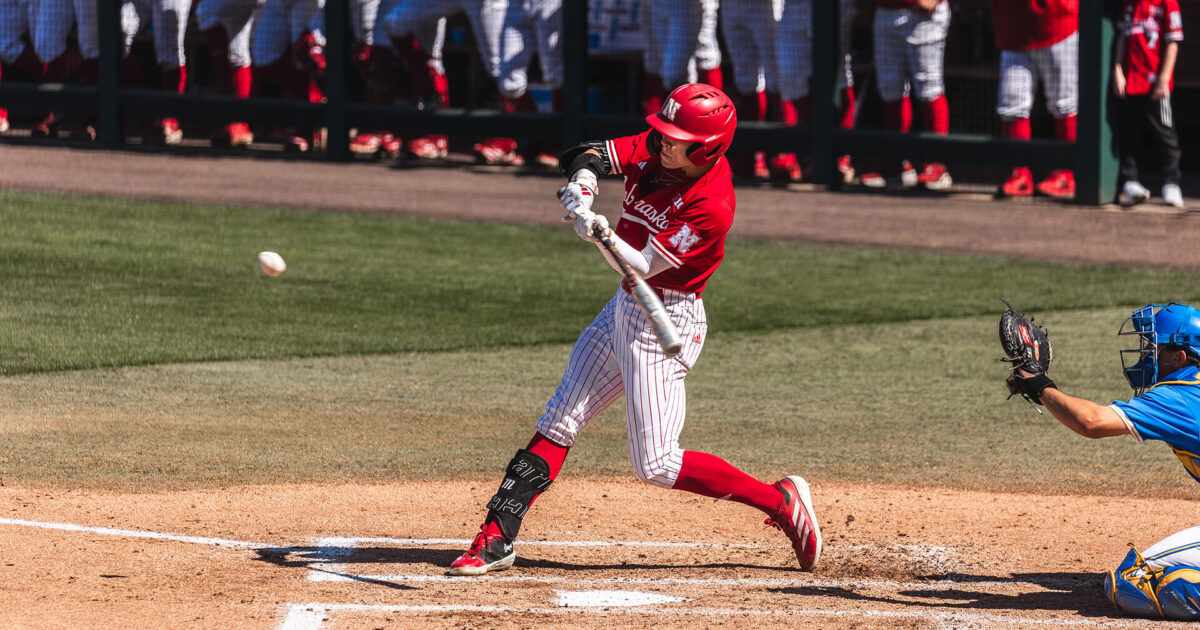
x=1163 y=581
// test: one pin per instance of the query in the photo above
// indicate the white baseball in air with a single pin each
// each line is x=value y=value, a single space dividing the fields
x=271 y=263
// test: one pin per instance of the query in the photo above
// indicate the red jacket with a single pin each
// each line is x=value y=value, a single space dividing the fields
x=1031 y=24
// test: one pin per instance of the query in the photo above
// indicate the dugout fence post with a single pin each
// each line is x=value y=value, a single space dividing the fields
x=824 y=87
x=108 y=127
x=337 y=140
x=575 y=79
x=1095 y=145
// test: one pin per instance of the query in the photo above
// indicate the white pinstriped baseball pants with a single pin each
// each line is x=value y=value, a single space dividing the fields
x=909 y=44
x=1057 y=66
x=617 y=354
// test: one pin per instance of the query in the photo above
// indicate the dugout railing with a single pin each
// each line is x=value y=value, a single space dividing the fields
x=1093 y=156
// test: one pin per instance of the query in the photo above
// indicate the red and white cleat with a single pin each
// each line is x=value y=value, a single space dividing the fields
x=487 y=554
x=934 y=176
x=909 y=177
x=1019 y=184
x=430 y=147
x=796 y=519
x=498 y=151
x=233 y=135
x=761 y=170
x=3 y=120
x=845 y=169
x=171 y=134
x=372 y=143
x=1060 y=184
x=785 y=166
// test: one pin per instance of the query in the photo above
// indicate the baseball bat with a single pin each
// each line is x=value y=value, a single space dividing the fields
x=647 y=299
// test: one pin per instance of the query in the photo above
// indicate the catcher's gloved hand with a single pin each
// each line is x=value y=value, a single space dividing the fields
x=1028 y=349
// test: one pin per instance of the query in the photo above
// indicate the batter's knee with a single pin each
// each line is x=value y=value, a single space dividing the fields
x=657 y=471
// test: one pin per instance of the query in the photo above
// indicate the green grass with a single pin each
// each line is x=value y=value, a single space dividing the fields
x=406 y=349
x=920 y=403
x=100 y=282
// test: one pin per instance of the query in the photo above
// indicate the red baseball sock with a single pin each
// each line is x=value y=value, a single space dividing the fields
x=1064 y=128
x=1017 y=129
x=711 y=476
x=554 y=455
x=242 y=80
x=937 y=115
x=897 y=115
x=713 y=77
x=848 y=105
x=789 y=112
x=174 y=79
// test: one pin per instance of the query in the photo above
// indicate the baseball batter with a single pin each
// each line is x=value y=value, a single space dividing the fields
x=1038 y=42
x=677 y=209
x=910 y=45
x=1164 y=371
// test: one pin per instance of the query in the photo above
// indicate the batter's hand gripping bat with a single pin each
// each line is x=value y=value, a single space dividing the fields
x=647 y=299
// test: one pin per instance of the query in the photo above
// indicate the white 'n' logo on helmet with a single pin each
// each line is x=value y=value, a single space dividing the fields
x=670 y=108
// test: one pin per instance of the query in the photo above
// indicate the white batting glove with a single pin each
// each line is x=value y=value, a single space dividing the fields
x=587 y=223
x=576 y=198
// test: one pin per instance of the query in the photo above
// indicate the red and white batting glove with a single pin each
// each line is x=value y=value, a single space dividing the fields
x=576 y=198
x=588 y=223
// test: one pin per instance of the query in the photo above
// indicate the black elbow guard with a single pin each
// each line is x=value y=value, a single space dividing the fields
x=578 y=157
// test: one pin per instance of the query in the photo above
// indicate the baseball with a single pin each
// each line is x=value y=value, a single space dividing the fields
x=271 y=263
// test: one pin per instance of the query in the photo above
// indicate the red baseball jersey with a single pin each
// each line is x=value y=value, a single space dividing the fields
x=1031 y=24
x=1147 y=25
x=898 y=4
x=684 y=218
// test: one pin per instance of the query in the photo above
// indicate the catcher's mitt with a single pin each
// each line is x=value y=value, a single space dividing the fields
x=1027 y=347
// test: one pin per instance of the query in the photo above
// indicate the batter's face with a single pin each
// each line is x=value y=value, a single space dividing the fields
x=674 y=153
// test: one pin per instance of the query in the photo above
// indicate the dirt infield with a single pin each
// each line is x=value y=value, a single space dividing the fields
x=374 y=556
x=594 y=552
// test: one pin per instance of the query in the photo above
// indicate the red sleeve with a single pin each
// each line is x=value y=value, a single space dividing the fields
x=696 y=234
x=1173 y=29
x=627 y=150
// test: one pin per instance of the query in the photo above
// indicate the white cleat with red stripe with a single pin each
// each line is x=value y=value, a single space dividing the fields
x=797 y=519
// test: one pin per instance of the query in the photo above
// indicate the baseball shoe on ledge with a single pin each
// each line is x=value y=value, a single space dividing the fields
x=934 y=176
x=797 y=520
x=845 y=170
x=498 y=151
x=1060 y=184
x=164 y=131
x=489 y=552
x=376 y=143
x=1173 y=196
x=3 y=120
x=432 y=147
x=48 y=127
x=909 y=177
x=233 y=135
x=1133 y=193
x=786 y=167
x=1019 y=184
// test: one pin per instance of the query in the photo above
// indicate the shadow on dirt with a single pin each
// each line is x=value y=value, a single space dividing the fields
x=330 y=560
x=1080 y=593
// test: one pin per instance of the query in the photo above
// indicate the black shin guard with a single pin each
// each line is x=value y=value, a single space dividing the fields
x=527 y=476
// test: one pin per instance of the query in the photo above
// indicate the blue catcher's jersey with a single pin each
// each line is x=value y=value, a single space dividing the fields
x=1169 y=411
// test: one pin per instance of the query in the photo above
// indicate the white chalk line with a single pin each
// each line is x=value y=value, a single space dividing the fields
x=311 y=616
x=137 y=533
x=332 y=545
x=936 y=585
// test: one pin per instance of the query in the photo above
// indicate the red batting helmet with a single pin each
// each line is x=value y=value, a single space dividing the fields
x=698 y=113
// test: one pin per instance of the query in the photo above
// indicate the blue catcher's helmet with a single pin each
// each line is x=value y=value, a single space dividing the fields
x=1172 y=324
